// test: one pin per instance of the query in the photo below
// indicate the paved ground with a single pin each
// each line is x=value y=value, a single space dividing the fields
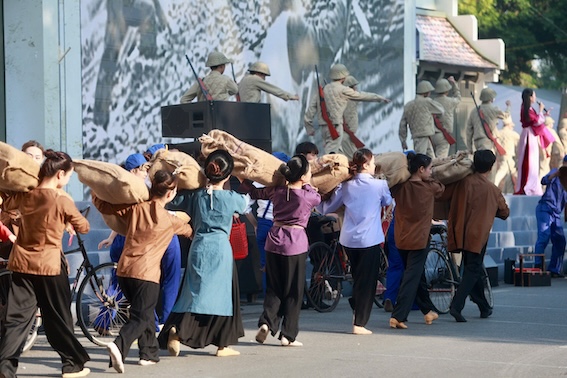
x=525 y=337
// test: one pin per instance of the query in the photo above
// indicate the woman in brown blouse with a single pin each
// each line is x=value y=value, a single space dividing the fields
x=150 y=229
x=414 y=211
x=39 y=269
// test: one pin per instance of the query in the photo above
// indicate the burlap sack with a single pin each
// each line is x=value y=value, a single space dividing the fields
x=393 y=166
x=111 y=183
x=249 y=162
x=329 y=171
x=452 y=168
x=18 y=172
x=189 y=173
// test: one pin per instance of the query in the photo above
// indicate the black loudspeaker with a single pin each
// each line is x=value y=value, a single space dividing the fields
x=245 y=120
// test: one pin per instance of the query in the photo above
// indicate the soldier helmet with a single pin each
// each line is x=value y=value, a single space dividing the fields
x=350 y=81
x=216 y=59
x=442 y=86
x=260 y=67
x=549 y=121
x=424 y=87
x=338 y=72
x=487 y=94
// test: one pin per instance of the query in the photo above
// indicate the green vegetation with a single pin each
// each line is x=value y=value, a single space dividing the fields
x=531 y=30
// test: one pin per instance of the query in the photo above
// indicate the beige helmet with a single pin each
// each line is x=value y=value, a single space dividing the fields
x=549 y=121
x=260 y=67
x=350 y=81
x=442 y=86
x=424 y=87
x=338 y=71
x=487 y=94
x=216 y=59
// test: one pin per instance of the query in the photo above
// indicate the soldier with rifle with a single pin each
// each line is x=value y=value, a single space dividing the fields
x=449 y=96
x=215 y=84
x=251 y=86
x=330 y=104
x=418 y=115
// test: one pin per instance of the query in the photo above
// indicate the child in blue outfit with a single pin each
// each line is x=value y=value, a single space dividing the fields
x=548 y=215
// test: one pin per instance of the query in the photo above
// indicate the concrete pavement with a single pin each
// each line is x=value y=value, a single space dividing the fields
x=525 y=337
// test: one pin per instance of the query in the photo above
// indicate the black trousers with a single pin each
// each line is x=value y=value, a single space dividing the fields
x=413 y=286
x=471 y=283
x=364 y=263
x=143 y=297
x=285 y=281
x=53 y=296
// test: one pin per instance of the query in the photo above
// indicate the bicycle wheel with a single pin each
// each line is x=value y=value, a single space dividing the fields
x=487 y=288
x=381 y=285
x=102 y=308
x=323 y=291
x=440 y=280
x=32 y=335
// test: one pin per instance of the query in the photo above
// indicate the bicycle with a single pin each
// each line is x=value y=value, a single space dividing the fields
x=100 y=306
x=443 y=274
x=330 y=267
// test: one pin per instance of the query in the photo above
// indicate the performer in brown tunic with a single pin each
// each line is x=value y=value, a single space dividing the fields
x=474 y=203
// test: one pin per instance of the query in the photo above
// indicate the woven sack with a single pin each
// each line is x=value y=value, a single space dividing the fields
x=329 y=171
x=111 y=183
x=18 y=172
x=189 y=173
x=393 y=166
x=249 y=162
x=452 y=168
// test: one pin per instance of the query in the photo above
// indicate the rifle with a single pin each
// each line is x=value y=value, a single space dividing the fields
x=200 y=81
x=234 y=78
x=448 y=137
x=486 y=128
x=324 y=113
x=357 y=142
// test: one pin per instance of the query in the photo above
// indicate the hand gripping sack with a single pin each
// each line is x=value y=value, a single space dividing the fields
x=189 y=174
x=249 y=162
x=239 y=240
x=394 y=166
x=328 y=171
x=18 y=172
x=452 y=168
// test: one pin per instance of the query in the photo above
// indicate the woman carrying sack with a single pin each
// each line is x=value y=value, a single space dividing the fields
x=207 y=310
x=286 y=249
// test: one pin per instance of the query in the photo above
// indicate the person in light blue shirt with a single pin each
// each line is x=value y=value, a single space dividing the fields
x=548 y=215
x=361 y=235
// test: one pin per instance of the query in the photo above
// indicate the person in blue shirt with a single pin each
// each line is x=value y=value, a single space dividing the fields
x=361 y=233
x=549 y=227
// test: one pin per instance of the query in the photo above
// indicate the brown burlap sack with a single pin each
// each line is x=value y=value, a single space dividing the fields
x=329 y=171
x=249 y=162
x=111 y=183
x=189 y=173
x=393 y=166
x=452 y=168
x=18 y=172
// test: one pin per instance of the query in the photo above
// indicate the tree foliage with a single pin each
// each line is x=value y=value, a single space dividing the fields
x=533 y=30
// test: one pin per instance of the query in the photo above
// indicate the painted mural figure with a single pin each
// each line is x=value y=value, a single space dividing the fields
x=219 y=86
x=337 y=96
x=552 y=156
x=449 y=96
x=251 y=86
x=418 y=115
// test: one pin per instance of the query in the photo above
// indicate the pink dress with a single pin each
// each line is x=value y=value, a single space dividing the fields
x=534 y=134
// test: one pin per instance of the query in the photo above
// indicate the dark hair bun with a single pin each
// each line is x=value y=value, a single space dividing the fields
x=218 y=166
x=296 y=167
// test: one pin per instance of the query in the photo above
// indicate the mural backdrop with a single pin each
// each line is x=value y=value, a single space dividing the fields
x=133 y=62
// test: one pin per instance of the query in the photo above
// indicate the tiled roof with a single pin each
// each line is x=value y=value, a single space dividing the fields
x=441 y=43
